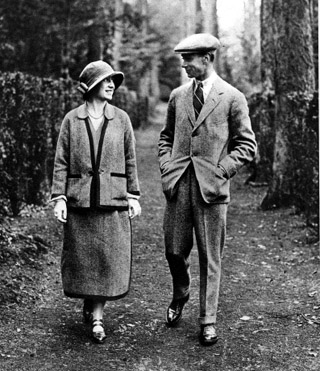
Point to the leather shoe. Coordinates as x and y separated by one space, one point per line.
208 335
174 311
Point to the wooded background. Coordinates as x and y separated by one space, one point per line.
270 53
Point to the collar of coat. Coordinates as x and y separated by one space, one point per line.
214 97
82 111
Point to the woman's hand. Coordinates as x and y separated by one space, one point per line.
134 208
60 210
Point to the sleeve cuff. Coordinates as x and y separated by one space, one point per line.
57 198
130 195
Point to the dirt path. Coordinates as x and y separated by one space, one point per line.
269 317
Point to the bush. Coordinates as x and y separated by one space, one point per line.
28 105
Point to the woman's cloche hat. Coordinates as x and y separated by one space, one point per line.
95 72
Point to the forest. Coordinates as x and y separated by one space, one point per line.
270 53
271 57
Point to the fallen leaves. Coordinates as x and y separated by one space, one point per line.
313 320
245 318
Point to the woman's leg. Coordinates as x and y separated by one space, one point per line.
98 332
97 308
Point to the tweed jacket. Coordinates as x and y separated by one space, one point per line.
95 181
218 143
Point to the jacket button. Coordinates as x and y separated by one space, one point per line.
90 172
100 171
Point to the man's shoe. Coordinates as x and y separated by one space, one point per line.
174 311
208 335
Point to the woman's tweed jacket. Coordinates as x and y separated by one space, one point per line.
103 181
221 135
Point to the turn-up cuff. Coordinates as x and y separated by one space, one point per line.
57 198
130 195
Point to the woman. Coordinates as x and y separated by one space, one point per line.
95 189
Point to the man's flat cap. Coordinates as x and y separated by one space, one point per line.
198 43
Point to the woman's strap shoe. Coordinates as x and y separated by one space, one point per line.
98 333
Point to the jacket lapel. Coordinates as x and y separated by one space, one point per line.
109 114
188 99
109 111
211 102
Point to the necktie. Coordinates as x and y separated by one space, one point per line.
198 99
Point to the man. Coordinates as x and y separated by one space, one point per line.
207 137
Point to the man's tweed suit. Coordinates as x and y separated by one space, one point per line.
197 159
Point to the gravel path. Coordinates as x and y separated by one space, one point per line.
269 317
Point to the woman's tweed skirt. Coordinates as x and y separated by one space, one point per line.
96 256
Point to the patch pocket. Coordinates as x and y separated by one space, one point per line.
118 185
73 188
119 175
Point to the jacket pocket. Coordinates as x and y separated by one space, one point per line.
118 185
220 187
73 188
119 175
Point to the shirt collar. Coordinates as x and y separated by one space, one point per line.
208 82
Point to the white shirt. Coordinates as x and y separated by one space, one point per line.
96 122
207 84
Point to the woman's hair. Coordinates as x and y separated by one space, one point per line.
87 96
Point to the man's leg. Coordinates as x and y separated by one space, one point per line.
178 232
210 234
210 230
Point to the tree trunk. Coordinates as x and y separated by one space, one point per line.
95 50
117 36
262 105
95 31
66 45
294 86
143 90
144 82
210 23
315 33
154 79
188 26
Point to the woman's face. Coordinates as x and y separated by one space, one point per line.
105 89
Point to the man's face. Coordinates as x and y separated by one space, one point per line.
194 65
